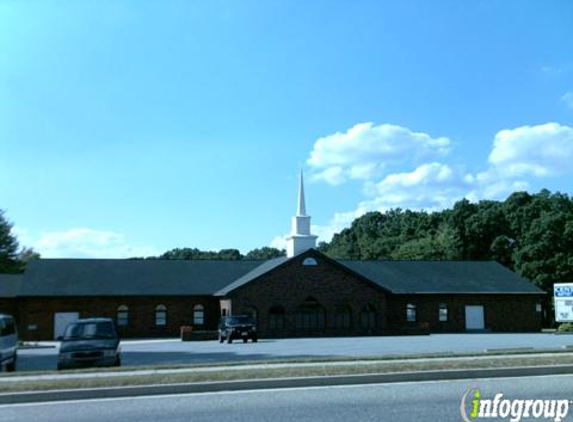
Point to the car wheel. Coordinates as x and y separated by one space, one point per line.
245 340
117 361
255 339
229 340
11 367
60 367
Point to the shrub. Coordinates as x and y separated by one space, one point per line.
566 327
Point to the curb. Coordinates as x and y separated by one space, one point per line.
28 347
258 384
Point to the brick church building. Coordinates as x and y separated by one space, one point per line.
303 294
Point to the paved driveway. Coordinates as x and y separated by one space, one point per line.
151 352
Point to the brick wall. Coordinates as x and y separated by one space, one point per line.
39 312
8 305
502 313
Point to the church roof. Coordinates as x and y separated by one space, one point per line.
127 277
264 268
443 277
123 277
10 284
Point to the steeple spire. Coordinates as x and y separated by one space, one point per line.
300 238
301 209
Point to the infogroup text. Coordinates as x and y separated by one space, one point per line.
474 407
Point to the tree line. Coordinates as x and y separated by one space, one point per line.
263 253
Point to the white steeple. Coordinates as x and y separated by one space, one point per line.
300 238
301 209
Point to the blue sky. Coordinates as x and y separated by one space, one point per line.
128 128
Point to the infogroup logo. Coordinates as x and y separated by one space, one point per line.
474 407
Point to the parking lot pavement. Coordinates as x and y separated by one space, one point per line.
170 351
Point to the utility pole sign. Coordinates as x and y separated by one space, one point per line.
563 299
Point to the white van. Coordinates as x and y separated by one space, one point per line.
8 343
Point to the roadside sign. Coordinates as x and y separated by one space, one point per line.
563 299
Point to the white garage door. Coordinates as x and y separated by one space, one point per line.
474 318
61 321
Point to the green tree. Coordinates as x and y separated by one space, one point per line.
265 253
194 253
26 255
502 249
546 256
229 254
443 245
482 228
8 247
457 218
343 246
182 253
519 210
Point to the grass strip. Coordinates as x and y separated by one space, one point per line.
262 373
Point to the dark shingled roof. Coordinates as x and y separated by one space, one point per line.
124 277
442 277
265 267
10 284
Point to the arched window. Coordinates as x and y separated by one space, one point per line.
411 312
343 317
276 318
122 316
310 316
160 316
368 317
198 315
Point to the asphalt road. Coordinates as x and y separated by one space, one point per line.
427 401
154 352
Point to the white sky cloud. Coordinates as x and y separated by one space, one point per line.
542 150
333 175
364 150
491 185
518 156
279 242
429 186
88 243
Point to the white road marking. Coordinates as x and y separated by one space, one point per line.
267 390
